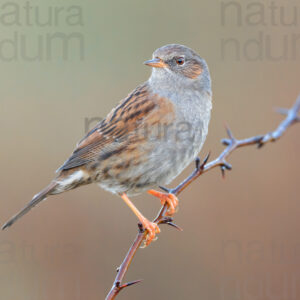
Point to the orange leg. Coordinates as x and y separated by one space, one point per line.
151 227
170 199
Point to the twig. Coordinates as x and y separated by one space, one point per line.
231 144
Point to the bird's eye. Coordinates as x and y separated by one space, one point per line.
180 61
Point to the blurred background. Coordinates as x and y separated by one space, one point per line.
65 64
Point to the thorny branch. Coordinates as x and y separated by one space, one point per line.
231 144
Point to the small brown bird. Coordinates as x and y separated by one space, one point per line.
148 139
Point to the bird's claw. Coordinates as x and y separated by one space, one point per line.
152 229
171 200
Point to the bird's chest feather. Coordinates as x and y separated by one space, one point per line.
192 111
184 138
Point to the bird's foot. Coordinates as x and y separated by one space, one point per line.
152 229
168 198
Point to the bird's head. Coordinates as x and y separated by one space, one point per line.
179 64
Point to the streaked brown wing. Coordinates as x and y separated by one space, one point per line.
119 129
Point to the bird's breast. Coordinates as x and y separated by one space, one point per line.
185 136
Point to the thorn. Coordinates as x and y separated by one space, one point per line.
169 191
260 141
130 283
166 220
197 162
223 168
229 132
174 225
164 189
227 166
141 227
201 166
169 221
118 269
226 142
260 145
206 159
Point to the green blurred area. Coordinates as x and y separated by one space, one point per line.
240 238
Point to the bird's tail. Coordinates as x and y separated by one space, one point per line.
36 199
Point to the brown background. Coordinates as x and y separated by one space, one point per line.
241 235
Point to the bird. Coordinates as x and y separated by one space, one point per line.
147 140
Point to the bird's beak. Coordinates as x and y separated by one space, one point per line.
155 62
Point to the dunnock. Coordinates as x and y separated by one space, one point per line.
148 139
